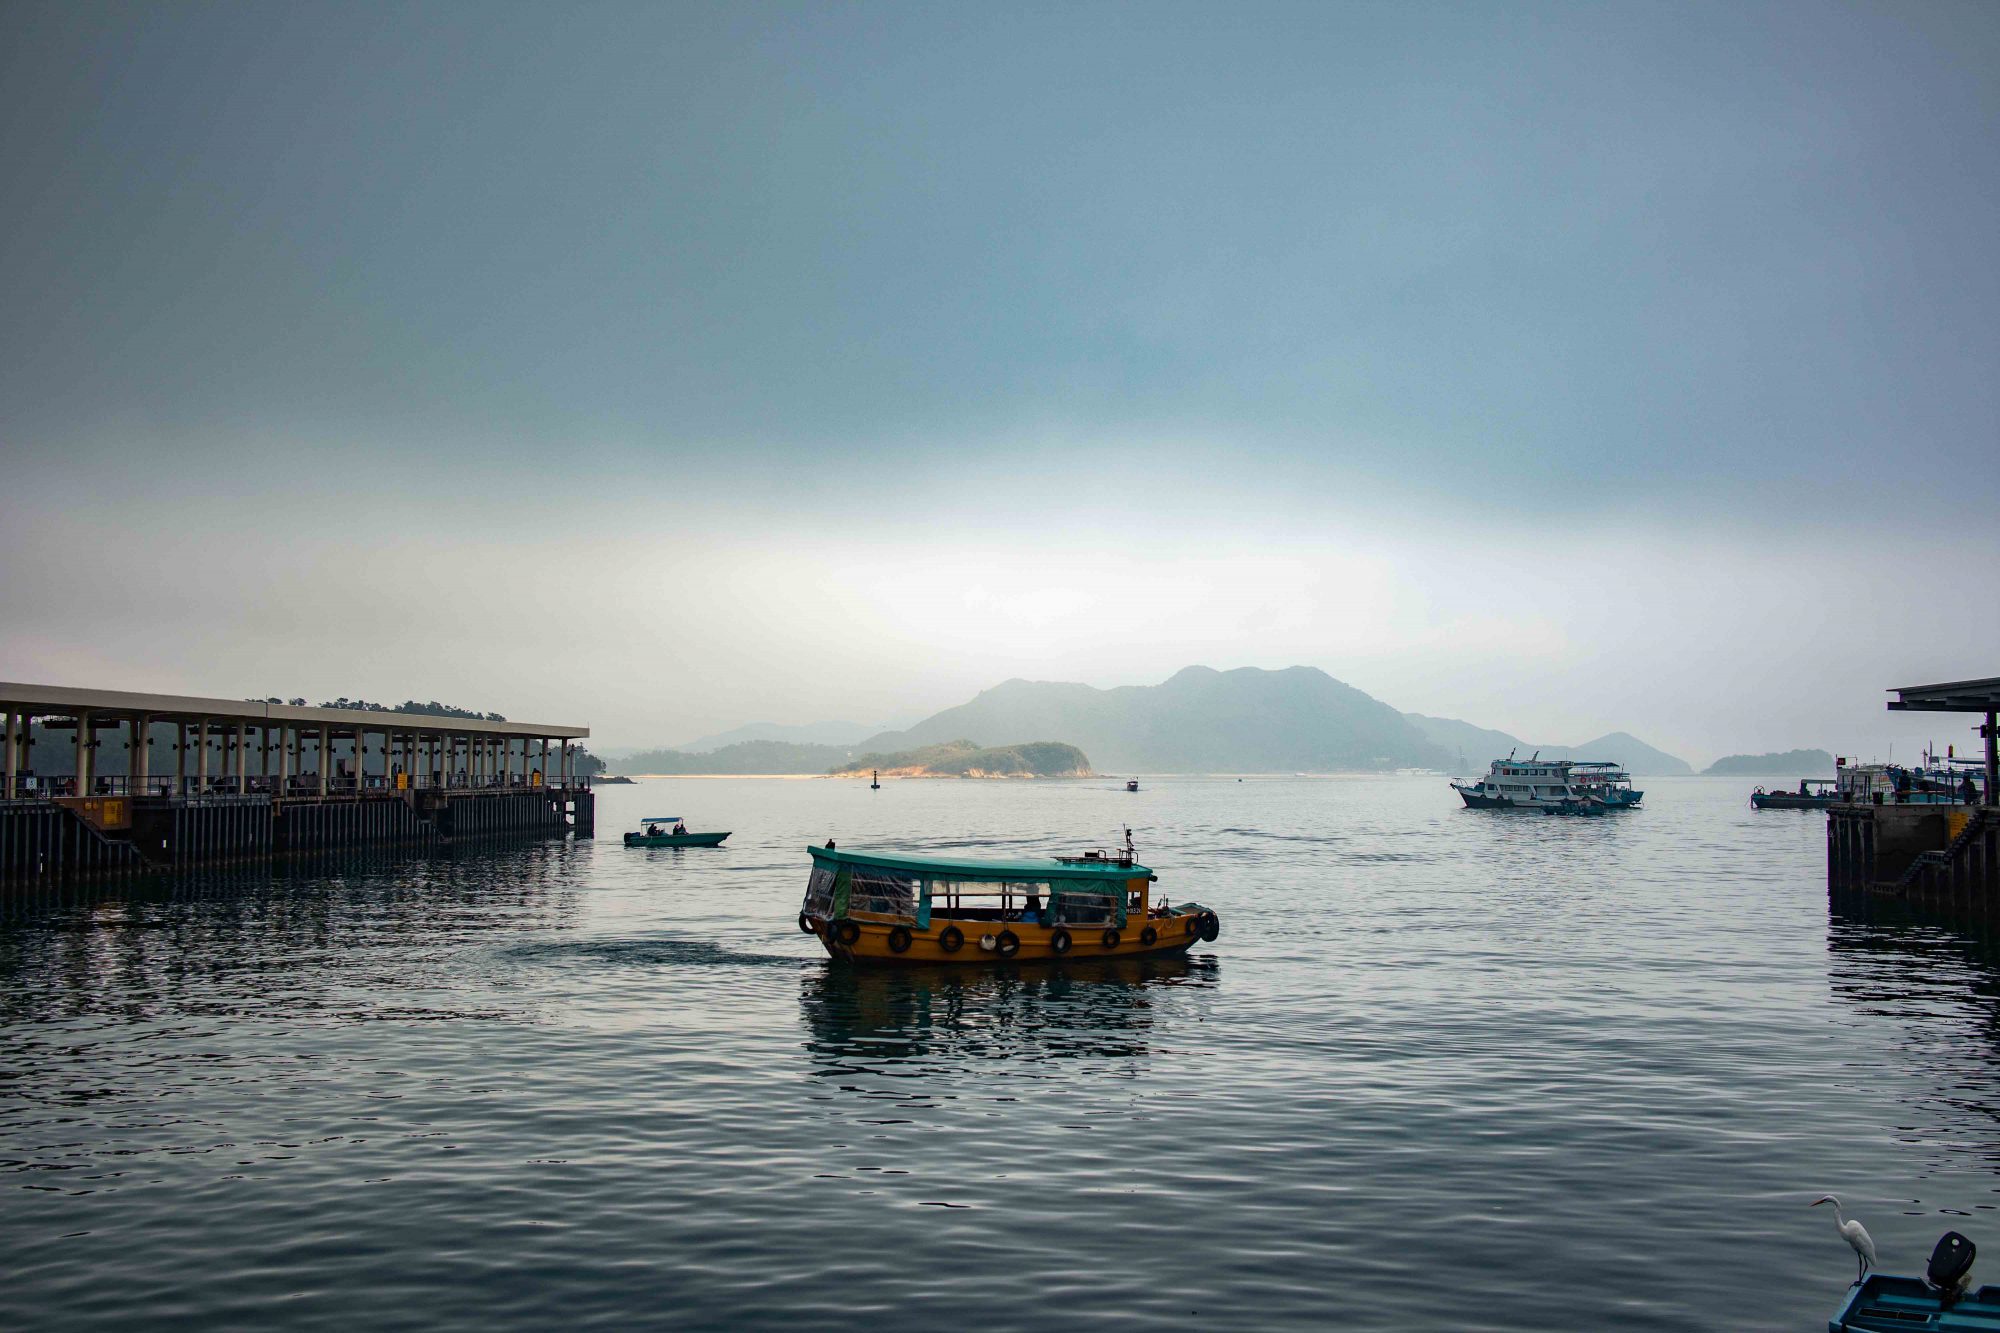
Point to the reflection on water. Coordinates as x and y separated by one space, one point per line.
1937 981
1441 1072
878 1018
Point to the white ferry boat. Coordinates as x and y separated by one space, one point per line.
1536 783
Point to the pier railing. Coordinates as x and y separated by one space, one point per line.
295 786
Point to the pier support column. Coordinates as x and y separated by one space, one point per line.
242 759
13 754
545 761
325 750
180 758
83 753
201 758
142 754
284 759
1992 737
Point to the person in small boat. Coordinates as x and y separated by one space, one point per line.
680 830
1033 910
652 830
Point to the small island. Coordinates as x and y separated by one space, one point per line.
1785 763
967 759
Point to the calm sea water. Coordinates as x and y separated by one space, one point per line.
1443 1070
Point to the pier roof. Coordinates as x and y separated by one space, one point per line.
109 705
1952 696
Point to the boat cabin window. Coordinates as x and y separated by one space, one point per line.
819 892
887 892
1085 906
838 889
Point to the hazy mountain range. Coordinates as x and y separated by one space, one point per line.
809 733
1200 720
1480 746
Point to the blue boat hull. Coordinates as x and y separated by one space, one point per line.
1885 1303
675 840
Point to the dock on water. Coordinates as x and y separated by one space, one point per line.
249 778
1942 854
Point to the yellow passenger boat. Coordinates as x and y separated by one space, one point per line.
873 908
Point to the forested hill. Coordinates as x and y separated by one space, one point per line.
1783 763
1201 720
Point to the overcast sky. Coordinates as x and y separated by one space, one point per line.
1562 368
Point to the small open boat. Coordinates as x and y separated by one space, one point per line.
1131 784
884 908
1941 1301
670 831
1883 1302
1577 806
1813 794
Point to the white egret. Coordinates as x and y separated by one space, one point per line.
1853 1233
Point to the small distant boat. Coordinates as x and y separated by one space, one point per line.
1813 794
885 908
1131 784
670 831
1583 806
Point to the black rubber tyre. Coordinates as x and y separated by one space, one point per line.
899 939
806 925
951 939
1109 939
1007 944
1211 926
1149 937
1194 924
1059 943
846 931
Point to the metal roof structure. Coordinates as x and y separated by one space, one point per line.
1952 696
108 705
936 867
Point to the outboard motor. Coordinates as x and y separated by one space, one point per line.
1950 1268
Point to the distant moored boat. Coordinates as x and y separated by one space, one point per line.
1536 783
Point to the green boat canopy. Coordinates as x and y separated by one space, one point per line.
936 867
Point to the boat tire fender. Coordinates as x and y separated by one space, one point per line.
846 931
1194 924
1109 939
1149 937
805 924
899 940
951 939
1059 942
1007 944
1211 926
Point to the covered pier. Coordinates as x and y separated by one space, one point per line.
152 780
1941 854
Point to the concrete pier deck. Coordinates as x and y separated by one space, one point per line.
1944 855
